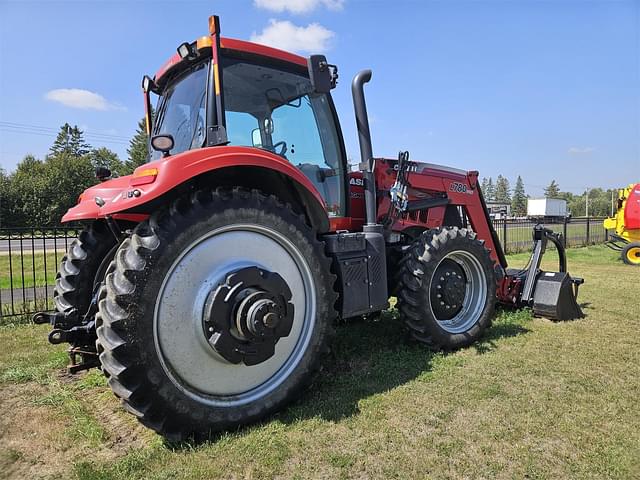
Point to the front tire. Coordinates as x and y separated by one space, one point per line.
447 291
153 323
80 268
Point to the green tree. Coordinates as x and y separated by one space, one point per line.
27 194
488 189
65 177
502 191
103 157
70 141
5 197
519 200
138 150
600 202
552 190
39 193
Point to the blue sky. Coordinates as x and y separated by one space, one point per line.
547 90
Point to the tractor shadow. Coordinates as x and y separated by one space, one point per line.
372 356
369 356
488 342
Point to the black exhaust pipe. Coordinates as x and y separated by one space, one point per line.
364 137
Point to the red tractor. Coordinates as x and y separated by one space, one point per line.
206 285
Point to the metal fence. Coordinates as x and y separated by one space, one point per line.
515 234
29 258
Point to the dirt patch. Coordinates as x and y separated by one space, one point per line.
34 439
29 435
124 432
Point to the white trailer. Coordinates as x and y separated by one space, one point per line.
548 208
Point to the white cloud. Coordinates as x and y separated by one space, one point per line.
580 150
83 99
298 6
313 38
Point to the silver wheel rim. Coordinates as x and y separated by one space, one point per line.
475 298
186 356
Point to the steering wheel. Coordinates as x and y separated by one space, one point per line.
283 144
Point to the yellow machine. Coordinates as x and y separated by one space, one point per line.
625 237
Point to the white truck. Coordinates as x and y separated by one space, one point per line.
547 208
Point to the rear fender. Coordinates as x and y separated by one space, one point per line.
214 166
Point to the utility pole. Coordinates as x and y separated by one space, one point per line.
587 205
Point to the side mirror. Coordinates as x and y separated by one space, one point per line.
162 143
323 75
148 85
103 173
256 139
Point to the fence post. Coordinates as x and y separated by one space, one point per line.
504 233
588 222
564 232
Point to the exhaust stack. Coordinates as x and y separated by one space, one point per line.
364 137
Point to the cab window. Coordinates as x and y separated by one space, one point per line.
277 110
181 111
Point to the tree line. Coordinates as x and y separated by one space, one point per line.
600 201
39 191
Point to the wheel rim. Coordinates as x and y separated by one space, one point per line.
473 298
186 356
633 255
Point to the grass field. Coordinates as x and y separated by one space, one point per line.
29 270
533 399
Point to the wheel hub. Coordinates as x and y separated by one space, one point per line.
245 317
448 290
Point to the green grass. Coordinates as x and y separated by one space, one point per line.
532 399
33 265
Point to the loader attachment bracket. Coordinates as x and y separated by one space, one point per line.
551 294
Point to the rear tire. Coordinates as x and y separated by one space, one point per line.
149 322
631 253
447 290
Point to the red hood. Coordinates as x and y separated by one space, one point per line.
119 195
109 191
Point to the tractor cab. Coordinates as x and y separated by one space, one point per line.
249 96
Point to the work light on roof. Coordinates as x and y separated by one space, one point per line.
186 50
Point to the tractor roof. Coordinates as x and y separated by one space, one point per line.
240 46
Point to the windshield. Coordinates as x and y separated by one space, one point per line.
276 110
181 111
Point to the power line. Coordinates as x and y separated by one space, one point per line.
24 128
38 127
54 134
